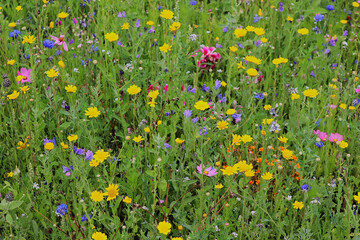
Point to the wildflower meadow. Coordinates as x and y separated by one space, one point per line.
178 119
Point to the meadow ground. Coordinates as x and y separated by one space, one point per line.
178 119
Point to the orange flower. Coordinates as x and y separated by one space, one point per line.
261 149
259 160
257 182
258 171
251 182
298 165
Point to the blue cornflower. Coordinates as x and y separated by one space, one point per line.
225 29
192 90
330 7
194 120
48 43
15 33
84 218
203 131
62 209
319 144
193 2
167 145
89 155
187 113
305 188
318 17
79 151
259 96
257 18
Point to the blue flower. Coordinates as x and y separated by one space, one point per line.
318 17
330 7
193 2
187 113
167 145
225 29
194 120
48 43
62 209
15 33
259 96
305 188
203 131
217 84
84 218
79 151
205 88
89 155
319 144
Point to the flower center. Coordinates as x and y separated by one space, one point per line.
206 172
61 39
335 140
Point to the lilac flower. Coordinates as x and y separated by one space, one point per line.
281 6
89 155
240 45
225 29
259 96
62 209
210 171
217 84
203 131
312 74
194 120
152 29
79 151
218 45
193 90
205 88
345 33
122 15
137 24
84 218
193 2
49 140
67 170
257 18
187 113
167 145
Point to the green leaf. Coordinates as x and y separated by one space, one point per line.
15 204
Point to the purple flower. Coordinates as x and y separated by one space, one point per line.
225 29
203 131
79 151
205 88
84 218
194 120
218 45
67 170
137 24
89 155
49 140
345 33
62 209
75 21
167 145
192 90
122 15
217 84
193 2
312 74
187 113
152 29
305 188
210 171
318 17
240 45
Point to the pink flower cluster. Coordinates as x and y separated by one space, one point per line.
210 171
334 137
209 57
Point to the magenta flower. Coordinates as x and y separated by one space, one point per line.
323 136
209 56
60 41
357 90
316 132
210 171
335 137
26 75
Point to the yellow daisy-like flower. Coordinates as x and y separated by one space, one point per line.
29 39
230 111
253 60
63 15
154 94
164 227
147 129
219 186
11 62
72 137
177 238
240 32
303 31
70 88
233 48
267 176
228 171
132 90
311 93
96 196
10 174
152 103
19 8
246 138
49 146
13 96
112 192
242 166
355 4
51 25
61 64
167 14
165 48
240 65
52 73
150 23
267 107
264 40
252 72
101 155
357 198
92 112
94 163
298 205
99 236
12 24
250 28
24 89
138 139
249 173
342 106
127 200
222 125
236 139
111 37
64 146
295 96
179 141
282 139
201 105
125 26
287 154
259 31
343 144
175 26
289 19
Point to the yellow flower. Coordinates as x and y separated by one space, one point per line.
343 106
344 144
52 73
45 1
267 121
242 166
249 173
159 122
282 139
236 139
230 111
287 154
152 103
13 96
250 28
99 236
357 198
252 72
233 48
112 192
92 112
29 39
263 132
64 146
219 186
223 83
311 93
132 90
343 21
22 145
179 141
295 96
259 31
240 65
52 25
253 60
96 196
125 26
72 137
63 15
94 163
24 89
290 19
303 31
222 125
298 205
164 227
177 238
175 26
154 94
111 37
12 24
147 129
240 32
264 40
167 14
229 170
101 155
61 64
11 62
10 174
138 139
267 107
355 4
19 8
267 176
150 23
49 146
351 108
260 13
165 48
127 200
70 88
201 105
246 138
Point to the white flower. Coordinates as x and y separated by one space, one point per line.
289 198
36 186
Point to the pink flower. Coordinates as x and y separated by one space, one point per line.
60 41
357 90
335 137
316 132
323 136
332 106
26 74
210 171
